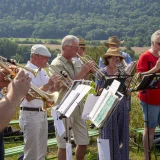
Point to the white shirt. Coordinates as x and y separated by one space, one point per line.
78 61
41 79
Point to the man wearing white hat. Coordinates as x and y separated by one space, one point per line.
33 120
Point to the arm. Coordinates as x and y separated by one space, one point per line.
17 89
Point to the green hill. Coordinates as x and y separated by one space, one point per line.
134 20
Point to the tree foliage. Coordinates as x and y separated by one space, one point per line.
90 19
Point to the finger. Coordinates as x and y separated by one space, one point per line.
20 74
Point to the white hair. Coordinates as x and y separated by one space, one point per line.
67 40
155 36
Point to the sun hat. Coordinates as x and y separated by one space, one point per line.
113 40
113 52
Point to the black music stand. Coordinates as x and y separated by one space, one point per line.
149 81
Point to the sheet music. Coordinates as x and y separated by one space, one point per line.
104 109
83 89
114 86
97 120
103 149
68 101
58 122
98 103
68 151
89 104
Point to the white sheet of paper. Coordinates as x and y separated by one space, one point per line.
98 103
83 92
100 107
114 86
58 122
103 149
68 101
68 151
89 104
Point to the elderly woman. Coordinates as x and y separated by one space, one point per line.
116 128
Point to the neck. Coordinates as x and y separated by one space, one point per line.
154 52
34 62
111 70
66 56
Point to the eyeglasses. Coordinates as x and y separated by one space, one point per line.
73 46
158 43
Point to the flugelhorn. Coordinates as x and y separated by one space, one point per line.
48 99
65 79
98 74
13 62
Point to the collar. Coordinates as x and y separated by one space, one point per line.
31 65
64 60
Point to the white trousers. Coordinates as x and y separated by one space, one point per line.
35 131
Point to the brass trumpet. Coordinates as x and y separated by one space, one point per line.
13 62
98 75
48 99
65 79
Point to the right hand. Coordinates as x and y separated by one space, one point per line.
157 66
20 84
89 66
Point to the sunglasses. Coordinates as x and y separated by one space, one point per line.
158 43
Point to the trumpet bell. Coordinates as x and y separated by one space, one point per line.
52 99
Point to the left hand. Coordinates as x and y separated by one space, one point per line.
55 80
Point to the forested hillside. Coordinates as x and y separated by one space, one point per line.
134 20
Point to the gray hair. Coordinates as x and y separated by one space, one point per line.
155 36
67 40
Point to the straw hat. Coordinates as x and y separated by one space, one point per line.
113 52
82 43
113 40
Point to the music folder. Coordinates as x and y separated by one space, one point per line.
73 99
149 81
105 104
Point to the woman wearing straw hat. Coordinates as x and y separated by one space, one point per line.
117 127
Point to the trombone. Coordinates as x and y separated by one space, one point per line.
13 62
98 75
48 99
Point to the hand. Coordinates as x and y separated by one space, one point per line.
20 84
157 66
89 66
13 68
54 82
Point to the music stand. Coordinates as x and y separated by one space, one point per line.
149 81
74 85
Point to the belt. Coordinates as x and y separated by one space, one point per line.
31 109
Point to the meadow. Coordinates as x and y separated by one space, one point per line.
136 121
136 116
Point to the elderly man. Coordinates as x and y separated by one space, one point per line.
70 46
33 120
115 42
149 62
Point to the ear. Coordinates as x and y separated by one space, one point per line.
63 48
